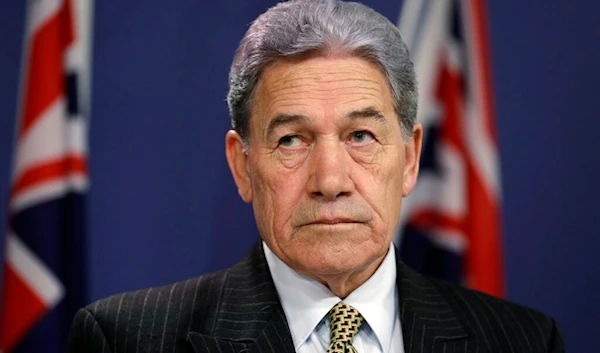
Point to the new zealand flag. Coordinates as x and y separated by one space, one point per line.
44 261
450 224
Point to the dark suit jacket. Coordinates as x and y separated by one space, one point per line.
238 310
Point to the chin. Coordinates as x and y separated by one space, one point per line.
332 269
339 259
329 250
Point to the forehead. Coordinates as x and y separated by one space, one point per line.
313 87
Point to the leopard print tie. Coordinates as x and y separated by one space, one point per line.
344 322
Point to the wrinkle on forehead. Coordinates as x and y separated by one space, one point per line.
337 82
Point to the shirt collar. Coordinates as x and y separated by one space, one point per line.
376 300
306 301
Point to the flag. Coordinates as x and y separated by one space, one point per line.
450 225
43 263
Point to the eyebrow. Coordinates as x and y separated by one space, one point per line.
286 119
366 113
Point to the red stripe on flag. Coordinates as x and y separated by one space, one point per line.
426 219
44 83
50 170
67 21
21 309
484 265
449 93
484 261
45 74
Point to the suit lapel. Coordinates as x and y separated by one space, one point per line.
249 317
428 322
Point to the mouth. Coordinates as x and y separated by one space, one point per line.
333 221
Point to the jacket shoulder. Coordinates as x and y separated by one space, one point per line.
158 316
500 322
173 298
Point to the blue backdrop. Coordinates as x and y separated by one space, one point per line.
164 207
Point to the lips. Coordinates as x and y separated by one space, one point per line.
339 213
333 221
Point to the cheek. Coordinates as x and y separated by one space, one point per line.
277 192
393 189
380 183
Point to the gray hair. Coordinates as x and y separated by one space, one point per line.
321 27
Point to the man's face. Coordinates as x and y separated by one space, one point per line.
326 167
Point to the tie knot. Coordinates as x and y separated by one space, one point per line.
344 321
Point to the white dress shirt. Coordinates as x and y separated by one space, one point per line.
306 303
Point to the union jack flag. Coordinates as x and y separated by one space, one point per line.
450 224
43 267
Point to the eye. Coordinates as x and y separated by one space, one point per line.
289 141
361 137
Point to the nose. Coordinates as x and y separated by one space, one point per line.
330 171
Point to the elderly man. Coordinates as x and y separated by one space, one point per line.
325 146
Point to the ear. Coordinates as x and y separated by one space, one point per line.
412 155
238 164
